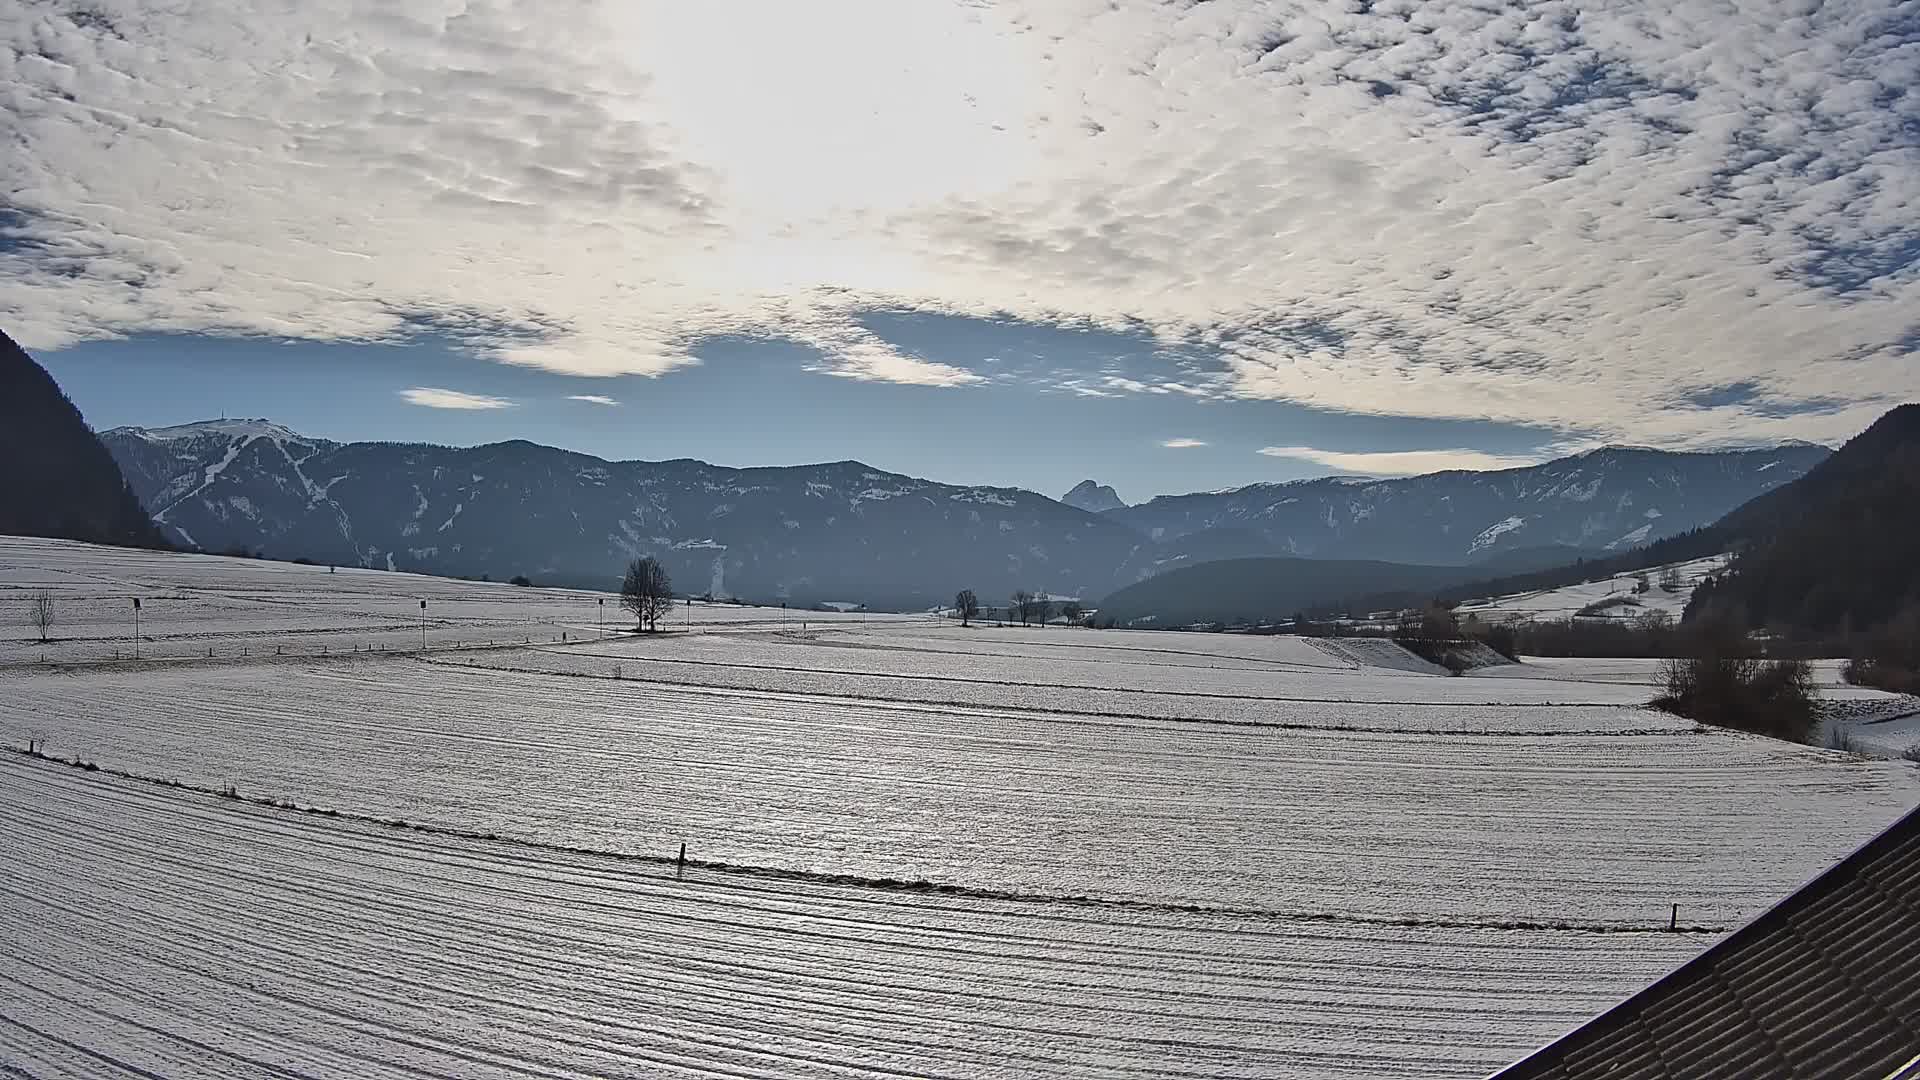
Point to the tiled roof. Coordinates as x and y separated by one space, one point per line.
1826 984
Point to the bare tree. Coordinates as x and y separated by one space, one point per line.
647 591
1670 579
1072 611
40 613
967 606
1021 606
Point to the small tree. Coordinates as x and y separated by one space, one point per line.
1072 611
40 613
1670 579
1021 606
647 591
967 606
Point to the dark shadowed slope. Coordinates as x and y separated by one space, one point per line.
58 479
1250 590
1834 551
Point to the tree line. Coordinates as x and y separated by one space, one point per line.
1026 607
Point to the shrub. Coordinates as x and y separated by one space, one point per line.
521 580
1911 753
1868 671
1839 738
1727 689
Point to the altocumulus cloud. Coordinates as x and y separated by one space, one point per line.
434 397
1399 462
1595 218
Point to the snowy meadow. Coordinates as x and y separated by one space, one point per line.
310 846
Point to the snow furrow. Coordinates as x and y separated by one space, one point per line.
274 943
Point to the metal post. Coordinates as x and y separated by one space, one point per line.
423 626
601 625
136 628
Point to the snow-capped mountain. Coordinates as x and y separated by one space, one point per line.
846 531
813 532
1093 498
1610 499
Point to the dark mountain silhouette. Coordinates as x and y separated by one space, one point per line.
1833 553
58 479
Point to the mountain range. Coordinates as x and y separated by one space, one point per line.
1610 499
845 531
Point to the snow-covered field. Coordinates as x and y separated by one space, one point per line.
153 932
1147 854
1565 602
190 604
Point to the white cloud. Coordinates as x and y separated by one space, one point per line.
1567 215
434 397
853 352
1400 462
1182 443
593 399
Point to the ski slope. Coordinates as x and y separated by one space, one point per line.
918 849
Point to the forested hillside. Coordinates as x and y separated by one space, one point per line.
59 481
1832 555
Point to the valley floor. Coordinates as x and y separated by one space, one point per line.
915 849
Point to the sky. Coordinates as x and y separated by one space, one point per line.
1169 246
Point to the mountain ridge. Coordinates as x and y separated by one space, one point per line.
1862 501
847 530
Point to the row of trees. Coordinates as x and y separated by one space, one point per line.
1023 605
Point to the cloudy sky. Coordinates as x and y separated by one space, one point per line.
1167 245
